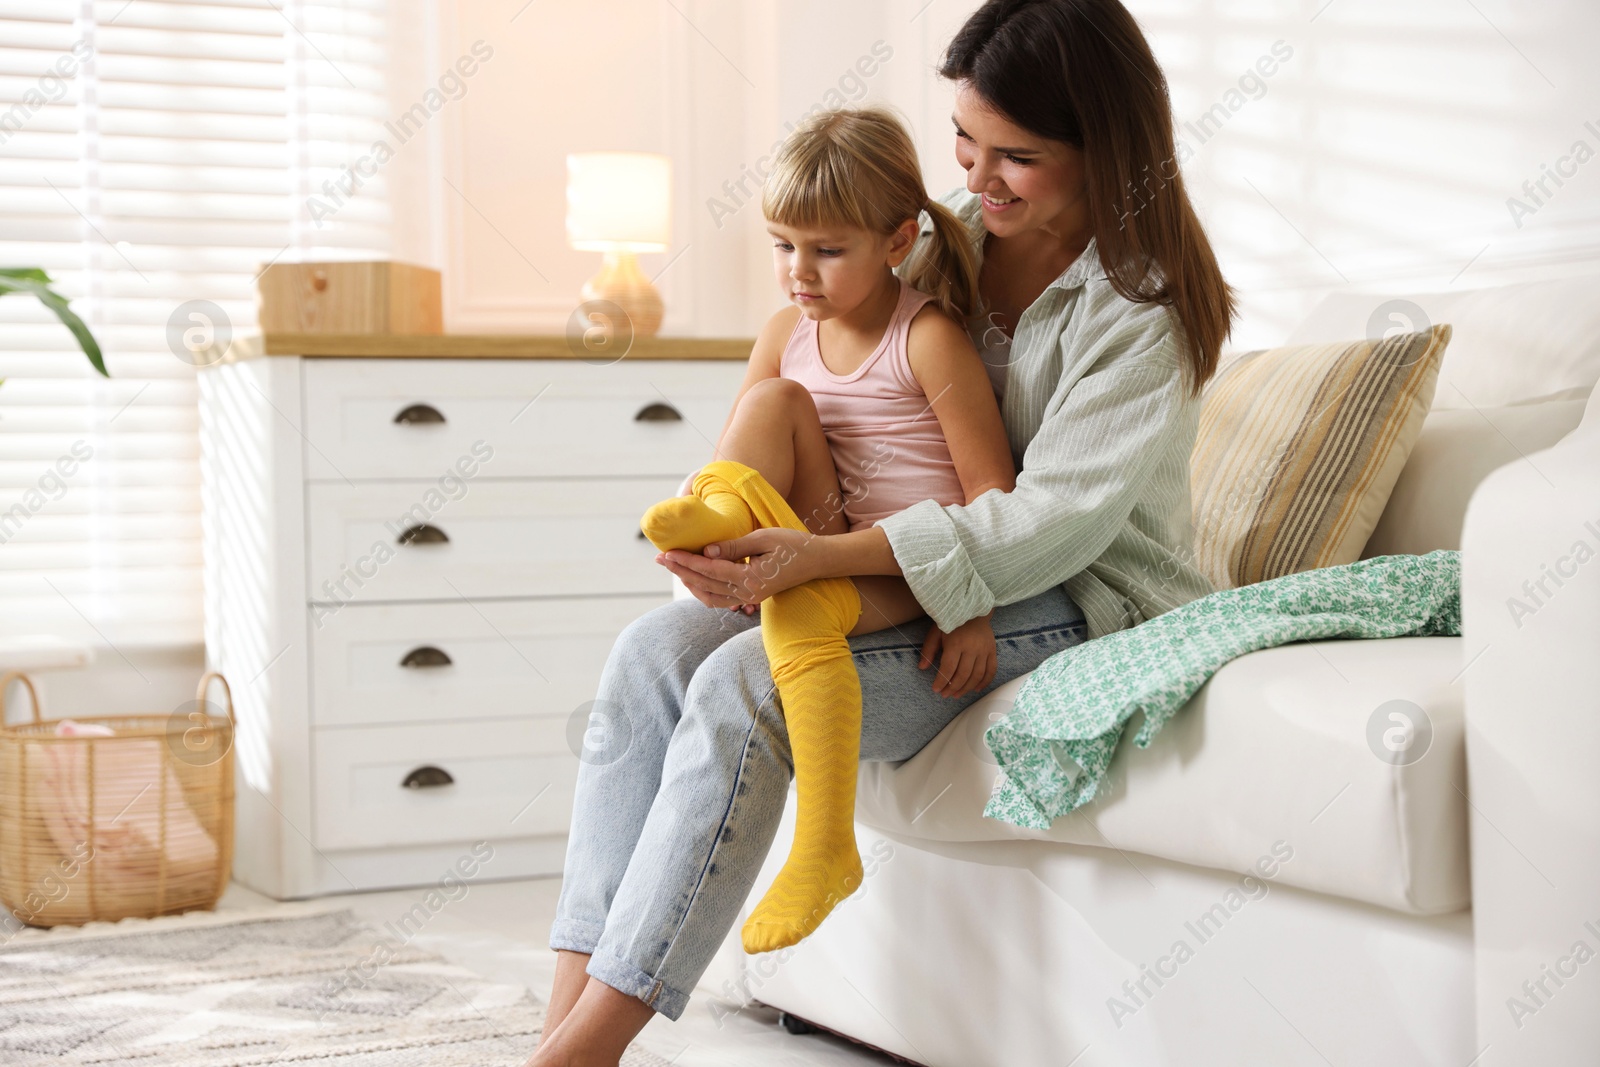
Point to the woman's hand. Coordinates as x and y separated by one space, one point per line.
966 656
778 560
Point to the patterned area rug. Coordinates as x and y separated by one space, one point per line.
309 990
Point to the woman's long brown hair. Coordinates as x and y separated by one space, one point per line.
1080 71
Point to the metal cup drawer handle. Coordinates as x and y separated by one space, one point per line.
426 656
658 412
423 534
419 413
428 777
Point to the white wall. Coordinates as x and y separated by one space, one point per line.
488 192
1382 153
1379 155
713 83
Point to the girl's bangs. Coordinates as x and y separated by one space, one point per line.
810 194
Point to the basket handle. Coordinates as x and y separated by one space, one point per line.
200 693
5 684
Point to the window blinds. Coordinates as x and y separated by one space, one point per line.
153 152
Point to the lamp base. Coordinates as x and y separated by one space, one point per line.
621 282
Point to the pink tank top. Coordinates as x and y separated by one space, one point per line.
886 442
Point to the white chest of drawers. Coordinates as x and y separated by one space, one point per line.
414 569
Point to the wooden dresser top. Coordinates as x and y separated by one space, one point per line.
480 346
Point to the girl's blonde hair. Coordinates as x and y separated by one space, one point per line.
857 167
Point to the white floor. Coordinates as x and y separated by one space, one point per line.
500 930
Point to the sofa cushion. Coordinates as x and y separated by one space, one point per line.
1455 451
1296 743
1513 344
1298 449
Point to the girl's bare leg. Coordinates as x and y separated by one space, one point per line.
776 431
886 602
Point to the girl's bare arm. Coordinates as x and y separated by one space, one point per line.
953 379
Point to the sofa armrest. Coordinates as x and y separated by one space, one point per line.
1531 627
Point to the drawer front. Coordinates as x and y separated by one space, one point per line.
497 659
407 541
497 770
538 418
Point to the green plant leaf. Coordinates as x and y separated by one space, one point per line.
34 274
35 281
80 330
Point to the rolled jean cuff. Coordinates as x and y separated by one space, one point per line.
626 978
575 935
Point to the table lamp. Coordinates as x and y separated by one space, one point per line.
620 203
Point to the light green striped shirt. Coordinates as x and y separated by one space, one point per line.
1100 420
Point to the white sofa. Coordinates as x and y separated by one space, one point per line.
1259 887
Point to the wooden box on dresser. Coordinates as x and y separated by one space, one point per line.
414 569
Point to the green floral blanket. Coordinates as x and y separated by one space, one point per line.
1057 741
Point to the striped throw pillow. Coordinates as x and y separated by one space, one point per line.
1298 449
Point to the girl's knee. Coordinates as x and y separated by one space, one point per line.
778 397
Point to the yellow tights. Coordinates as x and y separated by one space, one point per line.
804 632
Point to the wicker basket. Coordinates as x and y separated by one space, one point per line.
96 828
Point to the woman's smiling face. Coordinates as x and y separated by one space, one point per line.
1028 182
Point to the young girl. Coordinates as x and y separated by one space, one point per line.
863 397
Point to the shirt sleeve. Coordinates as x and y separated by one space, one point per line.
1102 437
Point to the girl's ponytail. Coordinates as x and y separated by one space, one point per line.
946 267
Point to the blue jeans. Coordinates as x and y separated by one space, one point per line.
686 770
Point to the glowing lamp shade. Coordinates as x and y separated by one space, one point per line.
619 203
619 200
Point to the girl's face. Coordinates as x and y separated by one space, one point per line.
832 271
1028 182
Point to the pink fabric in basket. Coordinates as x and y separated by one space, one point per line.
127 808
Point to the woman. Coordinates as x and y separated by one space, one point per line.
1106 314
